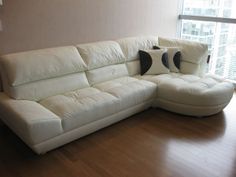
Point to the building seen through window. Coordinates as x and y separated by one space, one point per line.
220 37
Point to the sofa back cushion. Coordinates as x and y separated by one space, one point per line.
100 54
194 54
131 46
106 73
105 61
37 74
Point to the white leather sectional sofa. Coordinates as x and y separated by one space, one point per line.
53 96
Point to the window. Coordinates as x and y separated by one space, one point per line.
213 22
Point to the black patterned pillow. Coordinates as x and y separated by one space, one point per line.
174 57
154 61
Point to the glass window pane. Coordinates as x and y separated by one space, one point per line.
221 40
220 37
211 8
199 31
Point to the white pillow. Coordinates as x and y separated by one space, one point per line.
154 61
174 57
193 52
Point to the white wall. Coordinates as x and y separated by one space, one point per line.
33 24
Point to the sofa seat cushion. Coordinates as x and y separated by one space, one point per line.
81 107
129 90
191 90
202 91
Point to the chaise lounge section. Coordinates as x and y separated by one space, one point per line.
53 96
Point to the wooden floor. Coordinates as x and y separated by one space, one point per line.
153 143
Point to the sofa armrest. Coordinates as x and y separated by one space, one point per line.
29 120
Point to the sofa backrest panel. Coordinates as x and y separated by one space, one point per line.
100 54
24 67
194 54
105 61
36 91
37 74
131 46
106 73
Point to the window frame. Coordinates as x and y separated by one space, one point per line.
181 17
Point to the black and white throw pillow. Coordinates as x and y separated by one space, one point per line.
174 57
154 61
